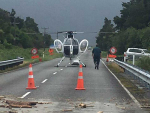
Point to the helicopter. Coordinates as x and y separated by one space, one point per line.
70 47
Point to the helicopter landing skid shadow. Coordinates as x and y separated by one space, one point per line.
70 66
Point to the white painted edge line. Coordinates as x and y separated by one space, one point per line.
25 95
133 98
61 69
44 81
54 73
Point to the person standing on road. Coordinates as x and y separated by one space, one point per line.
96 53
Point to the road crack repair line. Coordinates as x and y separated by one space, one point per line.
44 81
25 95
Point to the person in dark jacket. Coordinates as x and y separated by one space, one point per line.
96 53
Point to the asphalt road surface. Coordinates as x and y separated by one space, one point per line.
57 85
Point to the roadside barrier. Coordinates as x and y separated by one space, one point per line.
10 63
136 73
31 84
80 82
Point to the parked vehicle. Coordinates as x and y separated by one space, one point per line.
137 52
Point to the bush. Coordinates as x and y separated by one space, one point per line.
144 63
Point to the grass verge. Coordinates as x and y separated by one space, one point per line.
26 53
139 94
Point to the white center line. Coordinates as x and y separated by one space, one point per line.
54 73
44 81
61 69
25 95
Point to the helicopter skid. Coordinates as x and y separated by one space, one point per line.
61 61
80 62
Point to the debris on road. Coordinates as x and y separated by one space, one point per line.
20 103
67 110
145 106
16 104
123 108
100 112
12 112
82 105
44 102
1 97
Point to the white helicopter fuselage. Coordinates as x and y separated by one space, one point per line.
71 48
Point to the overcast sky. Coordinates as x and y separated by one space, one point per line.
62 15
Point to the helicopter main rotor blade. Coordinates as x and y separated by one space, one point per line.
106 32
77 32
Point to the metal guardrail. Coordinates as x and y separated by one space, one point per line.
140 74
10 63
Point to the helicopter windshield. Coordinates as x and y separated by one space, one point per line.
67 42
74 42
70 36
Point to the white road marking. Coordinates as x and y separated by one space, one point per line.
54 73
25 95
44 81
133 98
61 69
69 63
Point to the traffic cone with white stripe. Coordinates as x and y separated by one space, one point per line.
80 82
31 84
107 60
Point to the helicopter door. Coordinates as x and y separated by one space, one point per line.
75 44
83 45
68 47
58 45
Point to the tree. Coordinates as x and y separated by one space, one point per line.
134 14
104 40
31 25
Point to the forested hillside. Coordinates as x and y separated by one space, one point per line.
15 31
132 27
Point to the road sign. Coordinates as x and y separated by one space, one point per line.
34 51
34 57
113 50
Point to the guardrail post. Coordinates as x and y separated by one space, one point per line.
149 86
133 59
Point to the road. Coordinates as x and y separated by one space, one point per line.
57 85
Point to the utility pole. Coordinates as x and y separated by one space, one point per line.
44 38
14 23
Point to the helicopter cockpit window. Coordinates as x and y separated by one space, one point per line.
74 42
67 42
70 36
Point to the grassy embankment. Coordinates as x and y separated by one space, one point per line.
8 54
138 93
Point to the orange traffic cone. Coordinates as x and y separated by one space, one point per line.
31 84
107 60
80 82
